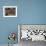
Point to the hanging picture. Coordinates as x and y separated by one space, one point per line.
9 11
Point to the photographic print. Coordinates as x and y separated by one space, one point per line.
9 11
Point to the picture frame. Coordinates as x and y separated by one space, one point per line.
9 11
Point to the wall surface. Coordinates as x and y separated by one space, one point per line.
29 12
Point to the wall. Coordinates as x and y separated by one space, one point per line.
29 12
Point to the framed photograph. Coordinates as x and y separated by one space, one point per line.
9 11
